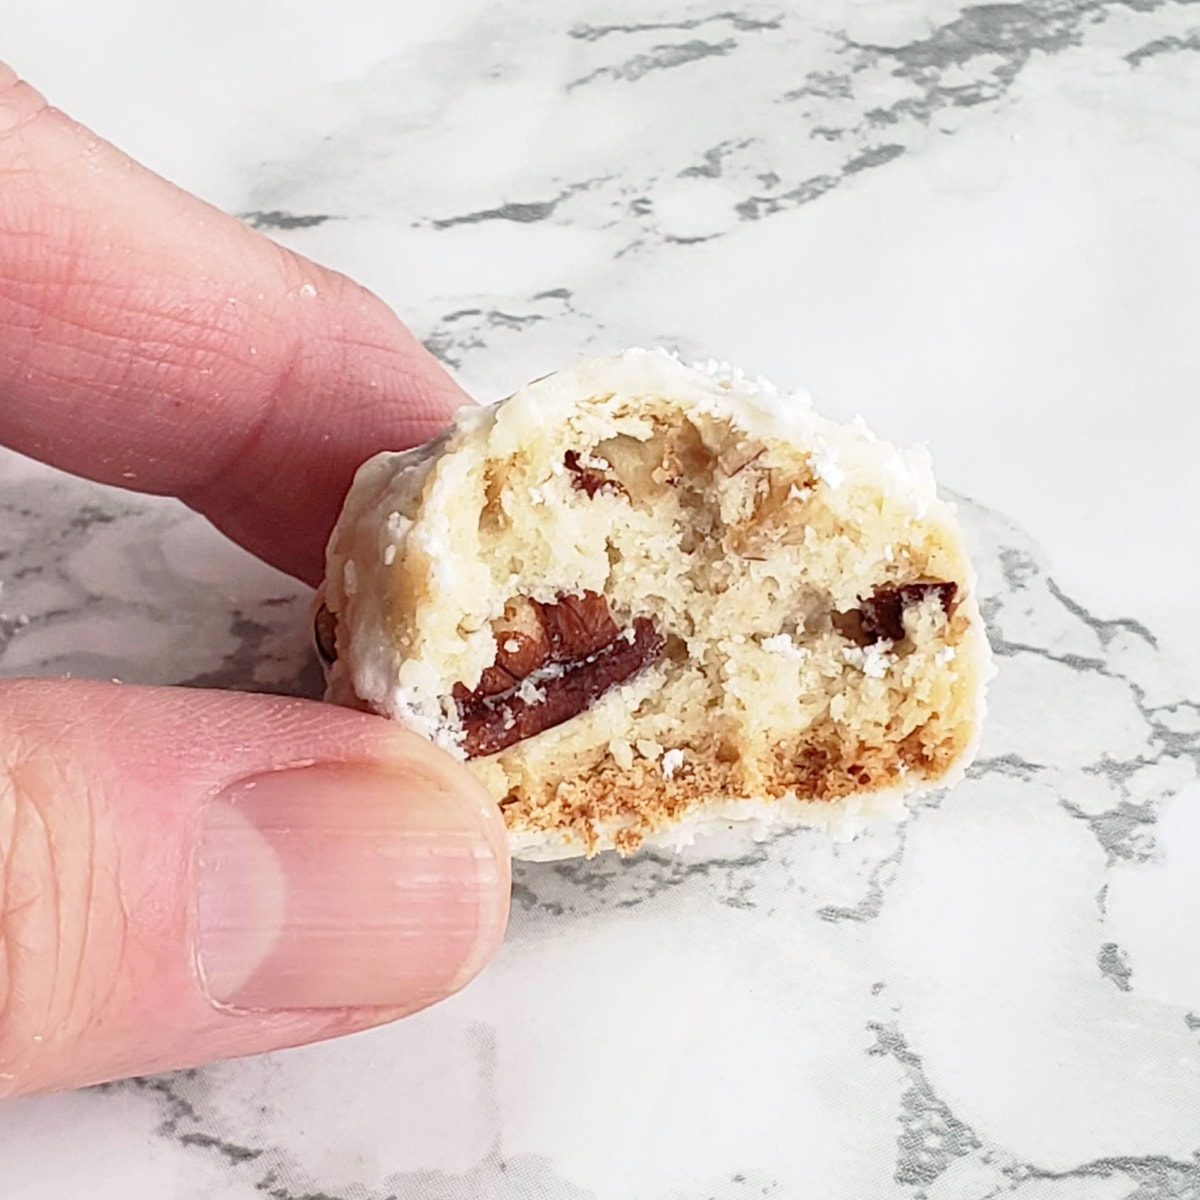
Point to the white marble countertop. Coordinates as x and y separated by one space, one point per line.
977 226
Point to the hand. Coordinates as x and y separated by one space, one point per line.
189 875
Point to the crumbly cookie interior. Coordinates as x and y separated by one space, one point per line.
648 610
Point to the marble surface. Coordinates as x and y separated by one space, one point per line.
978 226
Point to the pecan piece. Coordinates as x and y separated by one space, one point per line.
552 662
881 615
517 655
325 635
733 460
576 626
587 478
493 723
563 632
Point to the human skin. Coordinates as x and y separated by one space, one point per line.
188 875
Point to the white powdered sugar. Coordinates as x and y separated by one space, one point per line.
824 462
732 378
781 644
530 693
872 661
412 709
672 760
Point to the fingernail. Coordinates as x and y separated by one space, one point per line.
346 887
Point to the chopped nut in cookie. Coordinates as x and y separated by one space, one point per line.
880 617
581 655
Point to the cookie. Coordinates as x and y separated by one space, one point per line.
644 600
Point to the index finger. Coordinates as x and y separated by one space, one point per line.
150 341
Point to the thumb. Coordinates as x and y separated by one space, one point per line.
189 875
